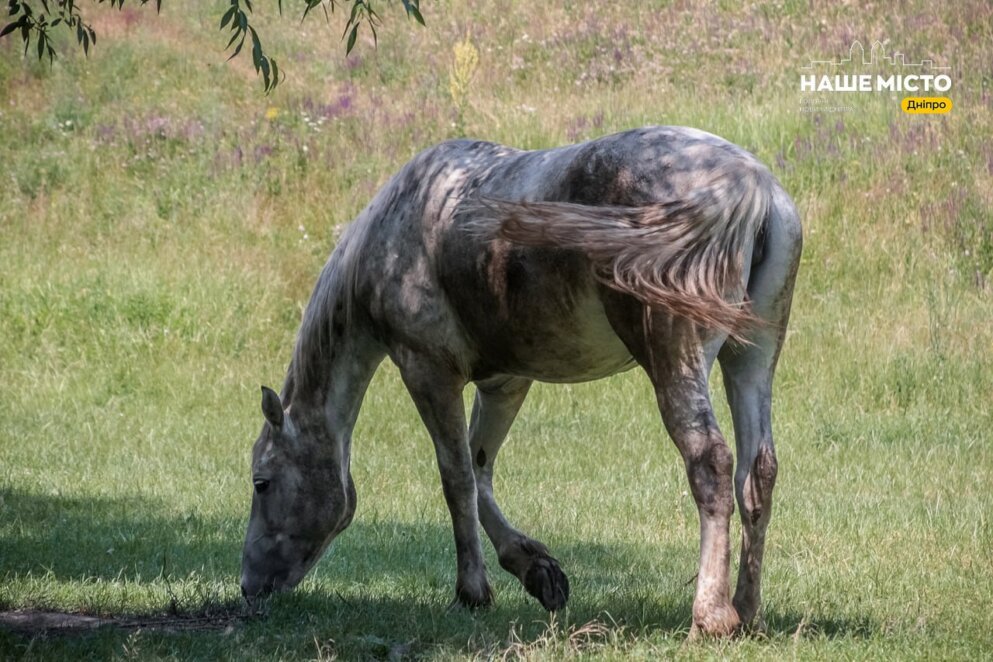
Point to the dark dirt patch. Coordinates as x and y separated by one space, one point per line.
33 622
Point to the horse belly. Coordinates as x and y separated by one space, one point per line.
577 347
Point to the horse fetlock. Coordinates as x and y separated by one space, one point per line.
538 571
515 554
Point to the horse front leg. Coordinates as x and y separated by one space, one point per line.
493 411
437 393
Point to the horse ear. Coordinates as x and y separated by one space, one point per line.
272 408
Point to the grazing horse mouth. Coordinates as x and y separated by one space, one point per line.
255 586
284 581
264 590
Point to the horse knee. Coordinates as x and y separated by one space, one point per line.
710 475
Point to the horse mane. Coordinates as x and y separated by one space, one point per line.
329 312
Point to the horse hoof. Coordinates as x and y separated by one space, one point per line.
719 622
545 580
473 598
747 610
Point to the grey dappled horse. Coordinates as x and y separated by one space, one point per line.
663 247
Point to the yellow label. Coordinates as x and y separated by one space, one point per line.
926 105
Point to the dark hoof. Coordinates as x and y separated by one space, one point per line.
473 598
747 611
545 580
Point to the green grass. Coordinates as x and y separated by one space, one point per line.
162 223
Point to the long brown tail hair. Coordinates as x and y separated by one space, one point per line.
683 256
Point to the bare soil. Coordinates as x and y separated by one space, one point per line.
35 622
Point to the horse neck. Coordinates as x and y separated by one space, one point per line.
334 360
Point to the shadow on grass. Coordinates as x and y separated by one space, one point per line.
807 626
384 587
77 538
310 624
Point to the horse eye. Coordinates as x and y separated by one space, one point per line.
261 485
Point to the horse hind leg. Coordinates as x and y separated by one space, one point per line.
494 410
679 367
748 374
748 388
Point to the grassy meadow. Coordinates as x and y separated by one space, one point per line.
162 223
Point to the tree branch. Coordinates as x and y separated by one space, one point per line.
34 19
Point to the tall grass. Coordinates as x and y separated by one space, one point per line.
161 224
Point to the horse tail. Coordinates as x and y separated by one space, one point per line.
685 256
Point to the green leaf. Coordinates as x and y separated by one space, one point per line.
237 49
416 13
228 15
234 38
257 57
310 5
266 80
351 39
356 11
10 27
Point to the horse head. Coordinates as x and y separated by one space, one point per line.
303 497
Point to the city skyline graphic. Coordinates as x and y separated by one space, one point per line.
876 55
